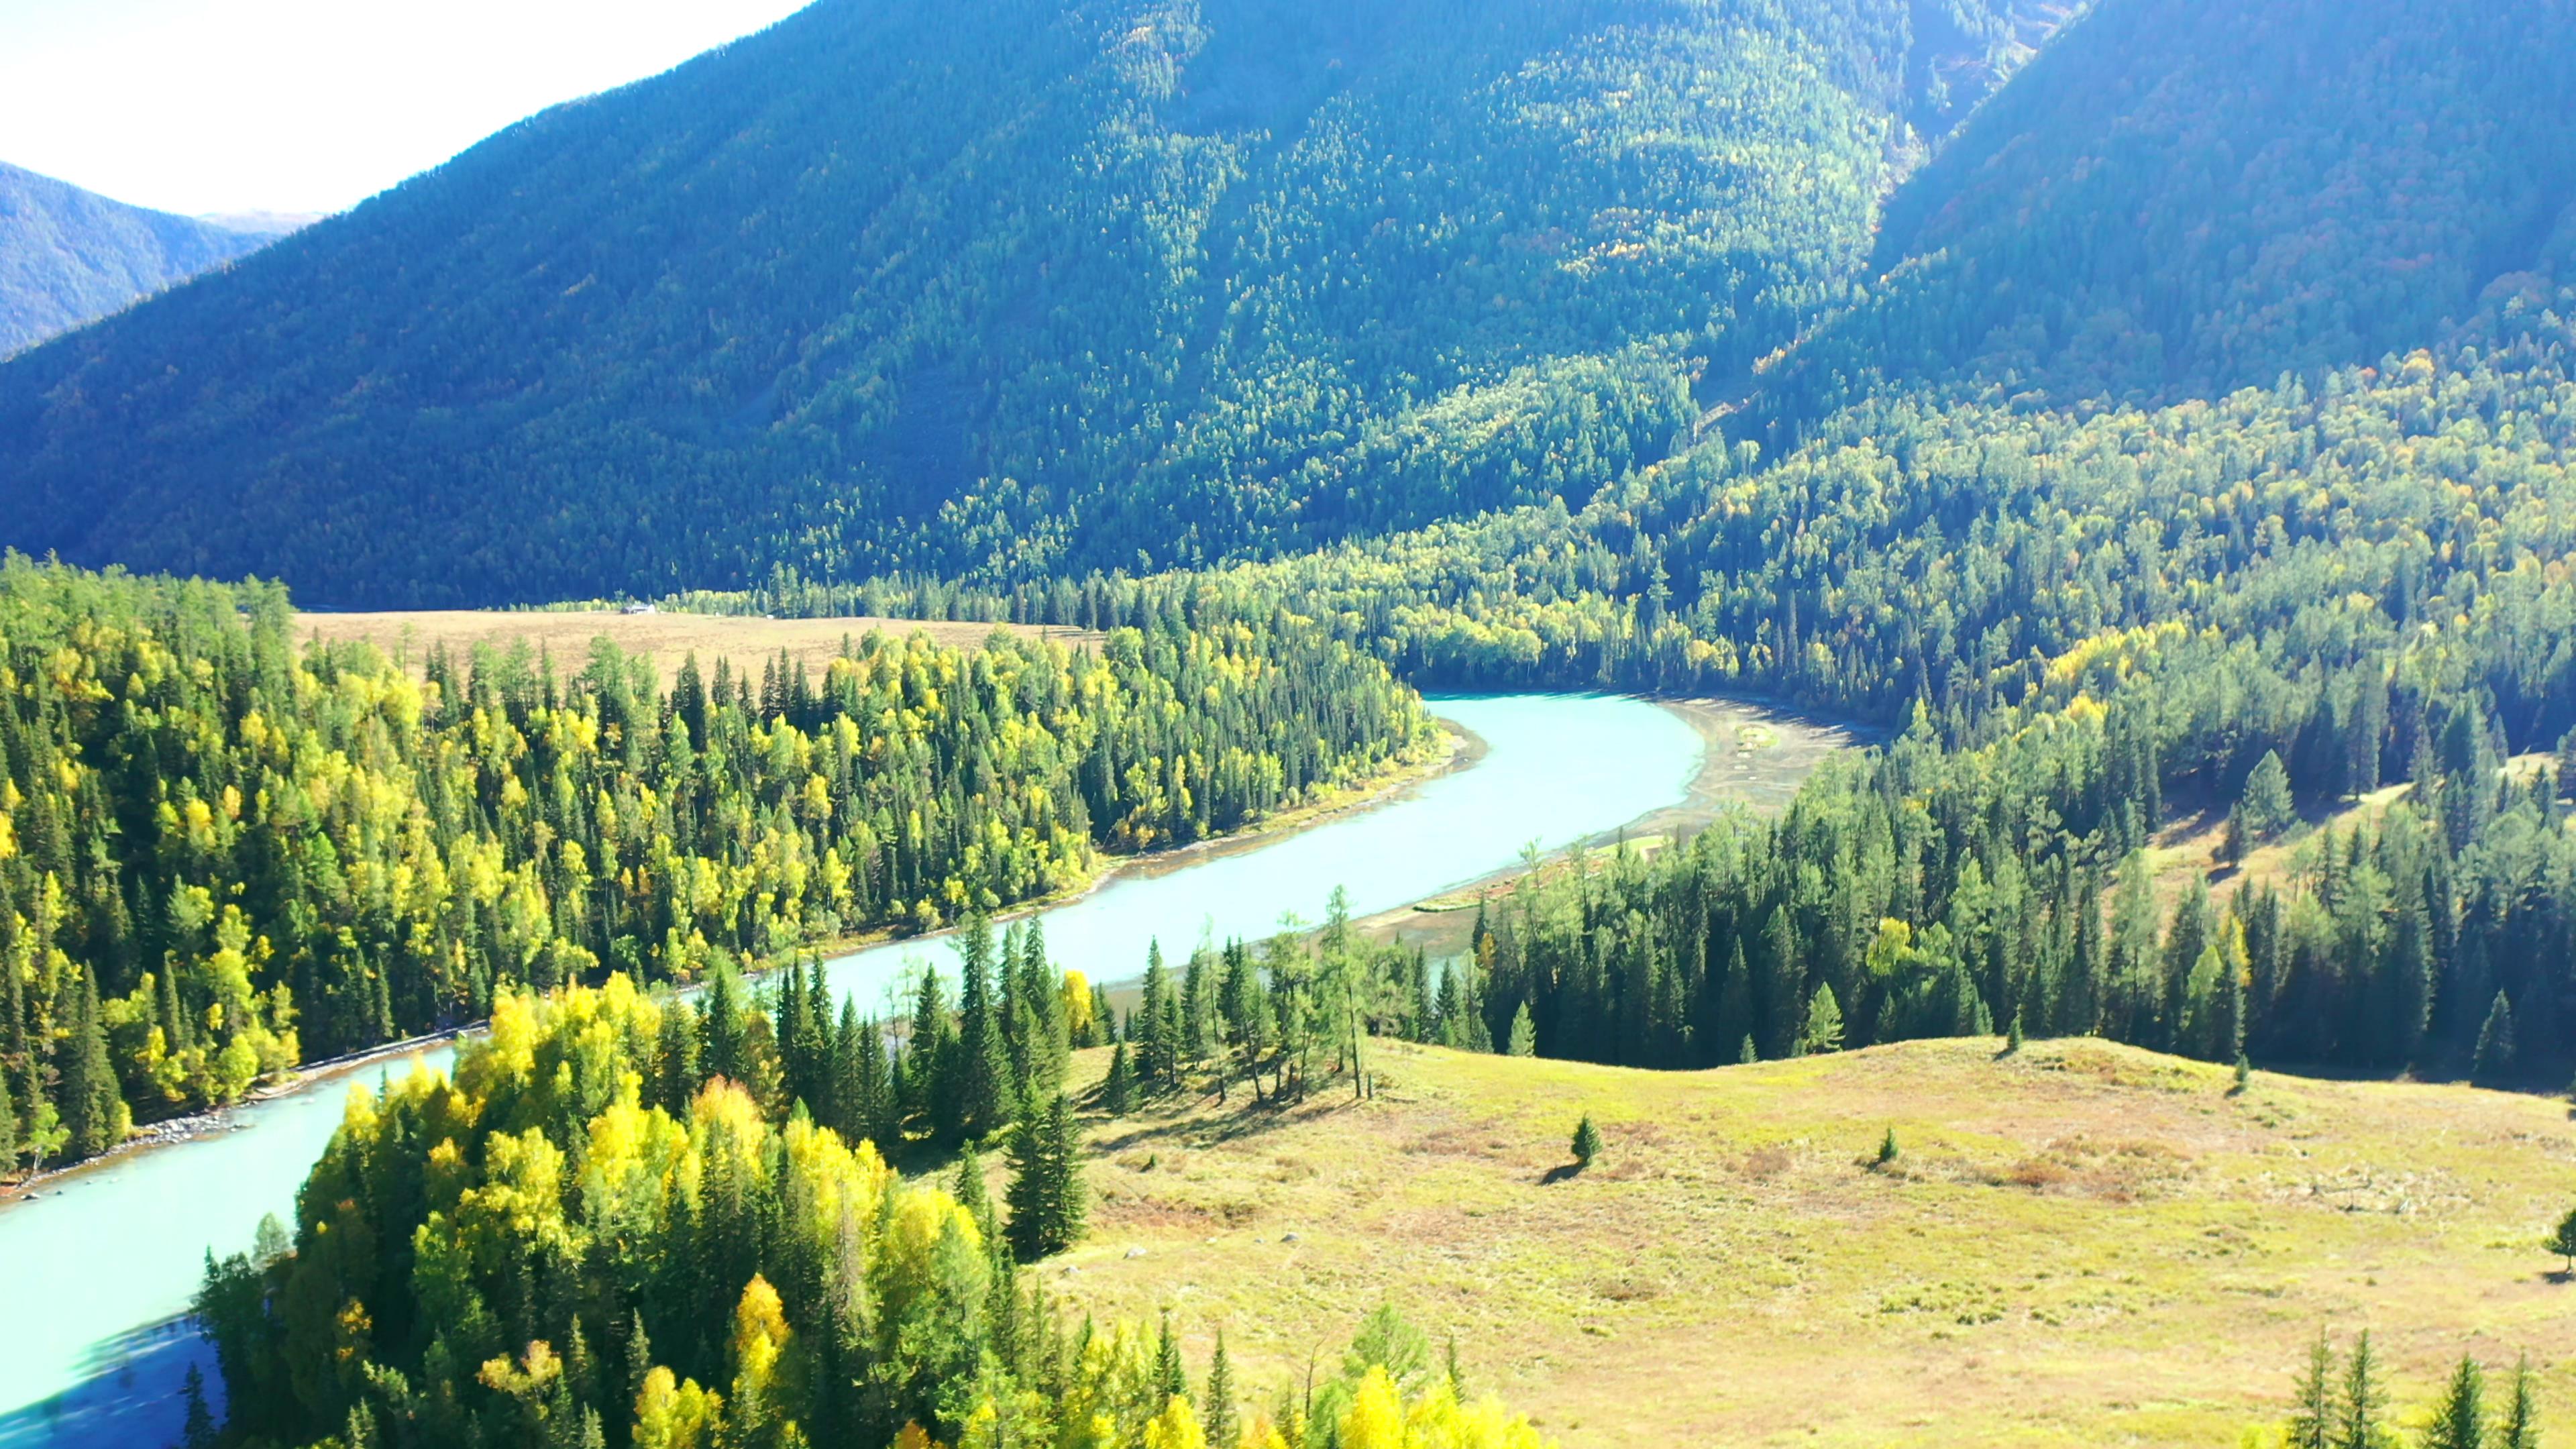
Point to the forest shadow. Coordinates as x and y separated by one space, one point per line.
131 1396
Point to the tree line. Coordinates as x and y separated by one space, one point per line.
539 1253
222 853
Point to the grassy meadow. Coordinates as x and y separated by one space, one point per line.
2082 1244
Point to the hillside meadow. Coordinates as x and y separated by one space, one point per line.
2083 1243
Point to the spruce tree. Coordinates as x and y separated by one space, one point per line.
1887 1149
2312 1412
983 1083
2460 1419
971 1192
872 1110
2494 1058
1048 1192
2518 1427
721 1030
1171 1377
1745 1054
1587 1141
2266 808
1118 1090
2357 1414
2563 1241
1145 1027
197 1427
1524 1041
94 1113
8 1123
1824 1029
1218 1401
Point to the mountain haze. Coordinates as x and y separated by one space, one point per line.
1026 286
68 256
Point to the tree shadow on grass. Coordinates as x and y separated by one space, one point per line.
1560 1173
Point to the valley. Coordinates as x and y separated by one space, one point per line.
1301 724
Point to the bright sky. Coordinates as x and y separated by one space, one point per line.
311 105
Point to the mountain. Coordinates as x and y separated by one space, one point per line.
2183 197
1023 286
68 256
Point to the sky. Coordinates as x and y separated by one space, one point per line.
199 106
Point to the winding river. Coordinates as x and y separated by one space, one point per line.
97 1267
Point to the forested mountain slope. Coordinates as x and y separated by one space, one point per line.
2181 197
69 256
1019 286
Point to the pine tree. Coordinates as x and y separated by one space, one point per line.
1824 1028
1171 1378
971 1194
94 1113
2460 1419
2012 1037
1048 1194
1524 1040
2518 1427
872 1111
197 1429
1154 1052
8 1122
1587 1141
1887 1149
983 1082
2494 1058
2266 808
2357 1414
2312 1414
1218 1401
1118 1090
722 1032
2563 1241
1746 1055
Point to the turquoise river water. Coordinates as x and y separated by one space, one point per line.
97 1267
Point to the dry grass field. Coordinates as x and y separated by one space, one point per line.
2084 1244
668 638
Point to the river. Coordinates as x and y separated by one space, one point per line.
96 1269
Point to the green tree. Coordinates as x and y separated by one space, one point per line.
94 1112
1824 1029
1218 1401
8 1123
2493 1060
1118 1089
1887 1149
2562 1241
2460 1418
2518 1426
1587 1141
2313 1413
2357 1412
1049 1195
982 1082
2266 806
1524 1038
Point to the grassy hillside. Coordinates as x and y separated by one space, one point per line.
69 256
2084 1244
894 285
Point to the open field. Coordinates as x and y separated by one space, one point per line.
668 638
2085 1244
